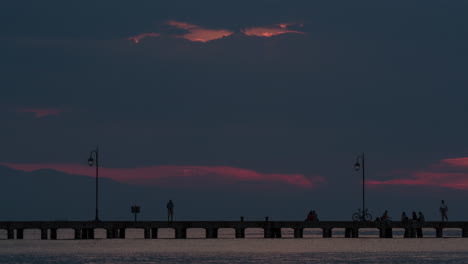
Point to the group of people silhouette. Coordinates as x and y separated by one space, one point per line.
443 209
312 215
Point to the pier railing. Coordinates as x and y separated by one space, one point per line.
272 229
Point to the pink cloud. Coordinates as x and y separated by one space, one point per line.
41 112
457 162
138 38
270 31
197 33
161 174
441 174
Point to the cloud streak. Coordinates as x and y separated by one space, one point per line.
41 112
136 39
448 173
198 33
270 31
159 175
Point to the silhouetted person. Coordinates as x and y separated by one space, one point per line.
415 216
421 218
170 211
315 216
443 211
404 217
385 217
310 216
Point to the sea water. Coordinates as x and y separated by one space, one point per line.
253 249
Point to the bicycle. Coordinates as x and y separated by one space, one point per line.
359 216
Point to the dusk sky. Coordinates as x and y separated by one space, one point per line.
221 93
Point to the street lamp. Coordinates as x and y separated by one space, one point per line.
90 163
357 166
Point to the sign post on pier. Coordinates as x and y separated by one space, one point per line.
135 211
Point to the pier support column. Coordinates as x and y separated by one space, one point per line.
240 232
109 233
19 233
277 233
122 233
77 233
147 233
419 232
439 232
465 232
267 232
53 233
327 232
386 232
347 232
44 234
351 232
298 232
90 233
84 233
11 234
211 232
180 233
154 233
382 232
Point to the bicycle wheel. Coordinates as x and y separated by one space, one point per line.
356 217
368 217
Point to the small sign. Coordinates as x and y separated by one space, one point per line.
135 209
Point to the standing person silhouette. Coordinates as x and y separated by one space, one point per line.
170 211
443 211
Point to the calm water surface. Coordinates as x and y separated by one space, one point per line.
226 250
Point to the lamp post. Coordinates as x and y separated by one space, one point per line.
90 163
357 166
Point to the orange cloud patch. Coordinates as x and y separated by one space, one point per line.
270 31
138 38
41 112
159 174
449 173
201 34
197 33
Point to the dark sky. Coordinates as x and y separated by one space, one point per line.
385 78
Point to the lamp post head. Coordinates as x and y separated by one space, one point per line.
90 161
357 165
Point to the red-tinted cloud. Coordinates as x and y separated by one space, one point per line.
159 174
270 31
449 173
137 38
202 34
197 33
457 162
40 112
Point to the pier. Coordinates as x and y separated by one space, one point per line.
272 229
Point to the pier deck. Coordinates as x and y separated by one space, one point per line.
272 229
